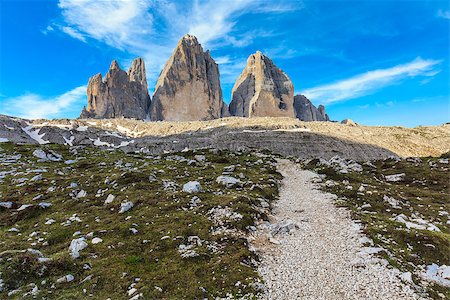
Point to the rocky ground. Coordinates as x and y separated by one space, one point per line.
403 207
284 136
79 222
81 218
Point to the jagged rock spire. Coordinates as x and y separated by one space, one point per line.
120 94
188 88
306 111
262 90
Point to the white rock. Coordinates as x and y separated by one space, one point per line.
126 206
36 178
285 226
7 204
131 291
49 222
110 199
67 278
406 277
45 204
394 177
192 187
76 246
81 194
436 274
96 240
24 206
228 181
444 271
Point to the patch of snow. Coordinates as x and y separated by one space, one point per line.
125 143
253 131
3 140
82 128
34 134
97 142
294 130
69 141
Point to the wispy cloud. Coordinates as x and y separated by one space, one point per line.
33 106
73 33
371 81
118 23
151 29
444 14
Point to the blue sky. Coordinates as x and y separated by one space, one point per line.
377 62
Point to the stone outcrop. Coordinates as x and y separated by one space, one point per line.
262 90
306 111
349 122
189 86
120 94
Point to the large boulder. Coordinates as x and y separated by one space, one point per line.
262 90
306 111
120 94
189 86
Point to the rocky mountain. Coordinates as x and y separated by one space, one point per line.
262 90
120 94
189 86
306 111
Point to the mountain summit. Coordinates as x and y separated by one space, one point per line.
121 94
189 85
262 90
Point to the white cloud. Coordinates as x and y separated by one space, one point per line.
370 82
444 14
73 33
33 106
118 23
151 29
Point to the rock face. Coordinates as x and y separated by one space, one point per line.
349 122
189 86
306 111
262 90
121 94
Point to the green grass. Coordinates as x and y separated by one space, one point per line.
223 266
424 193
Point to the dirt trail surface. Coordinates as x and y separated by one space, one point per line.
324 258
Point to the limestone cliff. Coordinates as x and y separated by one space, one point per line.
120 94
306 111
189 86
262 90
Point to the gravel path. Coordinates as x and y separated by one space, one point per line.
324 258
